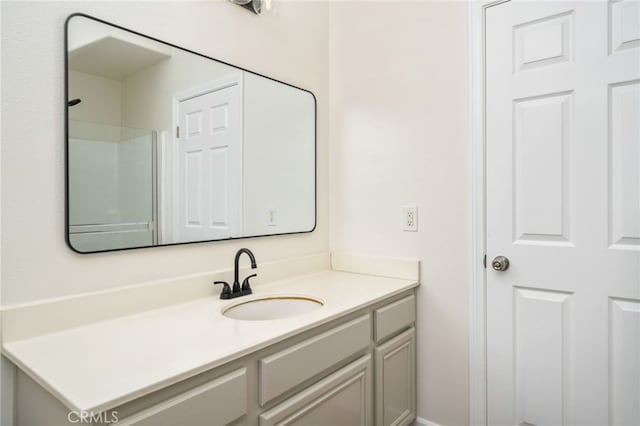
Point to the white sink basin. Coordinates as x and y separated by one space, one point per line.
271 307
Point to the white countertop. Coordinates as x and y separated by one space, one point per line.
101 365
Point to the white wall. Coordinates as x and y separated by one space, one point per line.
399 136
101 98
290 44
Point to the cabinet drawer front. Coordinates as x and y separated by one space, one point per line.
396 381
342 399
218 402
292 366
395 317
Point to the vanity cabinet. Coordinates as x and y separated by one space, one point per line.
342 399
358 369
289 367
395 399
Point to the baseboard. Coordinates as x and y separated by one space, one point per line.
424 422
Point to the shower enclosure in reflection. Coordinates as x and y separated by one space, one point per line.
112 175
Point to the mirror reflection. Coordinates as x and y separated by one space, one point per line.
166 146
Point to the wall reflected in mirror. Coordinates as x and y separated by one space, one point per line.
166 146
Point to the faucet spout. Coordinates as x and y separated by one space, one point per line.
236 282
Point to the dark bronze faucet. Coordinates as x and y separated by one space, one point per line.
236 290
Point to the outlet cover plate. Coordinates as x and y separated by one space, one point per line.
410 218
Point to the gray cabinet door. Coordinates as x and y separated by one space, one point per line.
396 380
341 399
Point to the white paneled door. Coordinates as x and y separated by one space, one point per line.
563 205
209 166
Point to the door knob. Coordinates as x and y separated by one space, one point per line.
500 263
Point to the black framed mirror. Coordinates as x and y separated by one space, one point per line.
168 146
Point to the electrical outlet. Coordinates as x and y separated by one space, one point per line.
410 218
272 217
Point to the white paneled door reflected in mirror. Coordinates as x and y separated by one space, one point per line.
167 146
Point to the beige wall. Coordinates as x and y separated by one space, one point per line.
101 98
290 44
147 95
399 136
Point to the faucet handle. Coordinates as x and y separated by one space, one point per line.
226 290
246 288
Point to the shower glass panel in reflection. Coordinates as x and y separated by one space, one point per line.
111 187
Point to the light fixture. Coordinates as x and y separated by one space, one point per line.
255 6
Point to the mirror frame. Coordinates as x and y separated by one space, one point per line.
66 138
